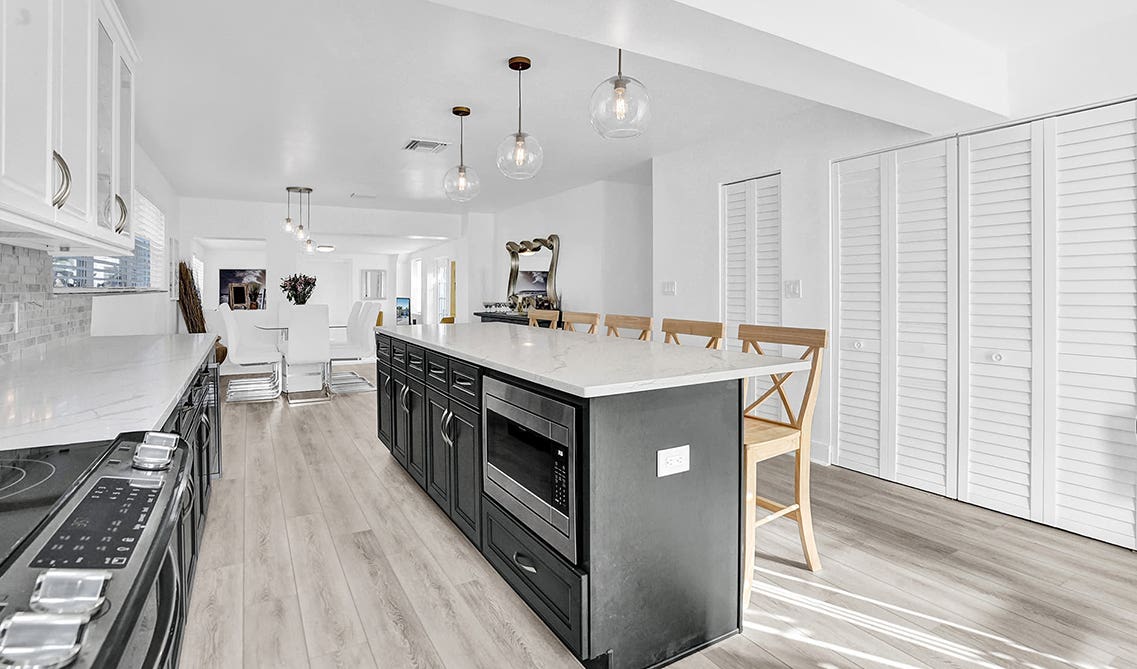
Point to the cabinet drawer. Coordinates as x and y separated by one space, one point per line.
383 348
554 589
437 370
465 383
398 355
416 362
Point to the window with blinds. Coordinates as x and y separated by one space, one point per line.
146 269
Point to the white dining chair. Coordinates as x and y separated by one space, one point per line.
360 346
307 353
260 388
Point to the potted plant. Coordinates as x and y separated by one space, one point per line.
298 287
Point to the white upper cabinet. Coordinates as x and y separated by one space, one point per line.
26 168
66 126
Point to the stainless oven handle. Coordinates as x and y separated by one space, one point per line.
173 620
541 426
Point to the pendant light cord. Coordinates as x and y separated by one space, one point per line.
288 199
461 141
620 63
519 102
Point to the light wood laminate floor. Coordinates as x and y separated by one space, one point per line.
320 551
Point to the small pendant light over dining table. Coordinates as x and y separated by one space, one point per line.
620 106
461 183
519 156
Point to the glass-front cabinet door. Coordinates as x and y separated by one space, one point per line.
104 137
126 148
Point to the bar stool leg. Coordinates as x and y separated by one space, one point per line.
804 513
749 518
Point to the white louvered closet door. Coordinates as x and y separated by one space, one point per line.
1001 306
861 191
925 270
1093 291
752 256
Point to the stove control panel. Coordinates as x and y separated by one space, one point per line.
103 530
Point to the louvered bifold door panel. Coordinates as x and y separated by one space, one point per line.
1001 237
926 267
859 203
752 257
738 210
1095 257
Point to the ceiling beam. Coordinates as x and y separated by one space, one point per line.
878 58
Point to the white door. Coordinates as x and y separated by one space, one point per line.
28 177
1001 309
1093 377
926 228
74 113
862 191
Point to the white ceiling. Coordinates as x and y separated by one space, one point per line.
1014 24
238 99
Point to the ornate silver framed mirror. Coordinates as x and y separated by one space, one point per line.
528 282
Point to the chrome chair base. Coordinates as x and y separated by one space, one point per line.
258 389
346 382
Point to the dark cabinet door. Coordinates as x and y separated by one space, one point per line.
465 430
386 404
416 419
401 442
437 449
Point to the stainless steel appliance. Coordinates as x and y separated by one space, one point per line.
529 461
94 567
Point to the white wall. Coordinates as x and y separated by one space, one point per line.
605 257
471 253
1087 67
143 313
348 228
686 226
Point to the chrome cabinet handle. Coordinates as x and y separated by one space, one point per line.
121 227
386 384
452 429
64 192
405 401
436 370
523 561
445 427
462 381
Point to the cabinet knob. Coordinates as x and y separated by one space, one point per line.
997 357
858 345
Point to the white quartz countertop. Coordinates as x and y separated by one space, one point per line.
97 387
588 365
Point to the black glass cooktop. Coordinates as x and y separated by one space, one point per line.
32 481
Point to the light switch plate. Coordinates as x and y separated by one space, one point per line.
792 289
672 461
670 288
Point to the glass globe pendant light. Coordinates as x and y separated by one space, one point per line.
620 106
519 156
461 183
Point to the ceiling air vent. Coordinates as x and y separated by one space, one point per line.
425 145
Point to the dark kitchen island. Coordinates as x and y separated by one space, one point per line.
601 477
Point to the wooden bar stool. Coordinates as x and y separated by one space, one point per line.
673 327
642 323
538 315
571 318
764 438
446 320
